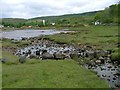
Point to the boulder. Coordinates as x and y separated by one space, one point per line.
4 60
38 53
98 62
47 55
99 53
59 56
90 53
74 55
22 59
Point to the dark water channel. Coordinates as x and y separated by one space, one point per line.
108 72
49 50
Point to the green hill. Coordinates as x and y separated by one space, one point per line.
109 15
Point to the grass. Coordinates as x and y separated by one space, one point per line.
104 37
50 74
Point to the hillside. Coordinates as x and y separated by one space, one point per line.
66 19
109 15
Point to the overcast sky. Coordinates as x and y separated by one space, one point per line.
37 8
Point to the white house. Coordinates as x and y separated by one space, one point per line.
97 23
52 24
43 22
1 26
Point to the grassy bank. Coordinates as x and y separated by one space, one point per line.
50 74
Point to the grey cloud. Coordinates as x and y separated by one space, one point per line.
33 8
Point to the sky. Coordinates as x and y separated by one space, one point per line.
37 8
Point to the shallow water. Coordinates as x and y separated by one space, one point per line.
19 34
108 72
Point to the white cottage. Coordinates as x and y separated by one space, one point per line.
97 23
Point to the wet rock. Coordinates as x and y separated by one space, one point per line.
38 53
102 68
103 75
114 78
118 74
98 62
109 66
22 59
117 85
113 69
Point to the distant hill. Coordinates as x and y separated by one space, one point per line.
56 18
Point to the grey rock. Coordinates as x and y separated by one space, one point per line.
47 55
74 55
4 60
59 56
22 59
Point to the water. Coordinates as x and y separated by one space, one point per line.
108 72
19 34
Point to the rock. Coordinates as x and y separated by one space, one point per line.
29 52
103 75
98 62
109 66
102 68
90 53
38 53
47 55
32 56
114 78
99 53
4 60
91 64
59 56
23 38
74 55
22 59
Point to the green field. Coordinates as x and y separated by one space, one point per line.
50 74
